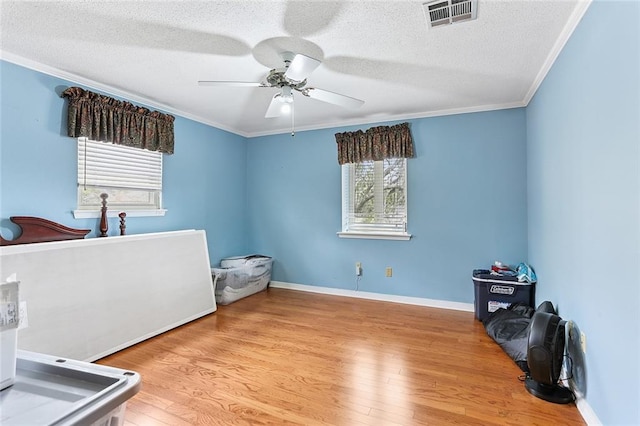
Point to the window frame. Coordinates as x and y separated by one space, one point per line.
375 232
113 209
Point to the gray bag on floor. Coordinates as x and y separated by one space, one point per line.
510 329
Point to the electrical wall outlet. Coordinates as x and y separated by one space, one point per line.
389 271
358 269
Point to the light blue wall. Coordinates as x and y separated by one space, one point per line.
466 208
204 181
557 184
583 131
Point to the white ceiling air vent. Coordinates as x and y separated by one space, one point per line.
442 12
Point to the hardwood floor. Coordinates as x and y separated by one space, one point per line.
287 357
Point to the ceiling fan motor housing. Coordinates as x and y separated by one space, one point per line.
276 78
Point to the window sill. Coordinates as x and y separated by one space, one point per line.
376 235
90 214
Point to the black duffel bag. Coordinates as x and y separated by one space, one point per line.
510 329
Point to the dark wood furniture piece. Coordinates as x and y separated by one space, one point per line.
123 225
104 224
38 230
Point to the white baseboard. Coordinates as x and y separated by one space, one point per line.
585 410
458 306
587 413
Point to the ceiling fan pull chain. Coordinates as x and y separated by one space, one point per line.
293 108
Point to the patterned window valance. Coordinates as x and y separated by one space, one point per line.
377 143
102 118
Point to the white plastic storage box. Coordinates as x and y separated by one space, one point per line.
54 391
241 276
493 292
9 319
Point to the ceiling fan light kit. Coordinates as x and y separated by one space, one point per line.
286 95
281 103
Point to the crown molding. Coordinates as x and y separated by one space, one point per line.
398 117
566 33
111 90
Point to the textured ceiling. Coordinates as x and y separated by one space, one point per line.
382 52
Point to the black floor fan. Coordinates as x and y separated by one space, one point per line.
545 355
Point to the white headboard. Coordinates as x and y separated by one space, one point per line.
89 298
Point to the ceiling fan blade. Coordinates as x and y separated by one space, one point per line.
300 67
230 83
333 98
274 107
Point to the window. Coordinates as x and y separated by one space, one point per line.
131 177
374 199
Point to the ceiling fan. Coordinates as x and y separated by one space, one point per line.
292 77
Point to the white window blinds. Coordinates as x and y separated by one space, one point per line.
116 166
131 177
374 196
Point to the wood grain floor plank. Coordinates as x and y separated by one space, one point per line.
285 357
